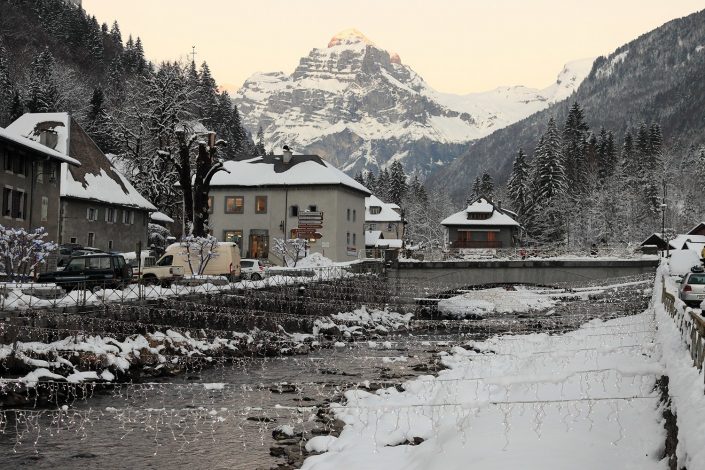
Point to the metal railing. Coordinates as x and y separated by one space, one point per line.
690 323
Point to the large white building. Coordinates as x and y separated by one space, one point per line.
265 198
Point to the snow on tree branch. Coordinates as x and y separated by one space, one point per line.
291 251
21 251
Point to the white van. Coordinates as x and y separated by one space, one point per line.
225 263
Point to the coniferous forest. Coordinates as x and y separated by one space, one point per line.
55 57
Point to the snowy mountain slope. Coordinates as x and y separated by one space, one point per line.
656 77
360 107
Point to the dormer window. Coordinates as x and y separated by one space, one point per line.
374 210
479 215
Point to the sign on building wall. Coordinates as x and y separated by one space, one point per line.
309 225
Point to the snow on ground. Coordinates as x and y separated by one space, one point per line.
314 260
583 400
496 300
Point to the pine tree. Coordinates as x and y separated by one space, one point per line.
7 88
518 186
260 142
42 93
17 107
383 182
476 188
397 183
575 134
486 186
98 126
140 62
630 165
116 36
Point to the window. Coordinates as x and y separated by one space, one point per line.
18 166
45 208
374 210
110 245
99 262
373 227
354 239
234 204
347 242
294 211
7 202
313 208
132 217
92 214
74 240
210 204
91 239
348 215
40 171
19 205
354 215
111 215
247 264
233 236
390 227
125 217
260 204
478 215
8 162
166 261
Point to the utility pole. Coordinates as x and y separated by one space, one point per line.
663 218
193 54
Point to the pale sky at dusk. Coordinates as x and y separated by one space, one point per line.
456 46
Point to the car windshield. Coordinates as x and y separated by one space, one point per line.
696 279
246 264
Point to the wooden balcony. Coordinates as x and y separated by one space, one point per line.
476 244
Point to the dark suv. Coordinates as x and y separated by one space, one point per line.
91 271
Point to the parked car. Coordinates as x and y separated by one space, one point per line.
93 271
65 254
174 263
692 289
146 260
253 269
163 272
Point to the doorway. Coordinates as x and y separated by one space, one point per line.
259 244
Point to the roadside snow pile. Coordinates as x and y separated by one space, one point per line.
495 300
583 400
314 260
682 260
361 323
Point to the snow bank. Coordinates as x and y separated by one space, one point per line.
314 260
583 400
682 260
495 300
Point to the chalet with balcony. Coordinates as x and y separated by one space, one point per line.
97 206
482 225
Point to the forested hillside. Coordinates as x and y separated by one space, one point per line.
56 57
656 78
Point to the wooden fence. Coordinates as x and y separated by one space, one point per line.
690 323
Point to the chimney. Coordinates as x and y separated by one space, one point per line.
48 138
286 155
499 205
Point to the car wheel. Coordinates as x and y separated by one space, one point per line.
165 284
256 277
150 280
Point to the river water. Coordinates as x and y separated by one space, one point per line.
223 416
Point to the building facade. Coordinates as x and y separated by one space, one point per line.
482 225
265 198
29 177
384 217
97 205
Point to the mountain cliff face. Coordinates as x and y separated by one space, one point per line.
360 107
654 78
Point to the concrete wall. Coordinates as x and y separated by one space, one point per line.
430 278
75 224
333 201
36 183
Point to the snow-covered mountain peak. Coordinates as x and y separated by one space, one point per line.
358 106
349 36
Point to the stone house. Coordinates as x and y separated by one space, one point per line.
482 225
99 207
384 217
29 177
271 197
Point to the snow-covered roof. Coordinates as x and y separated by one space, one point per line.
387 212
371 237
161 217
497 217
96 179
696 228
389 243
681 240
36 146
270 170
